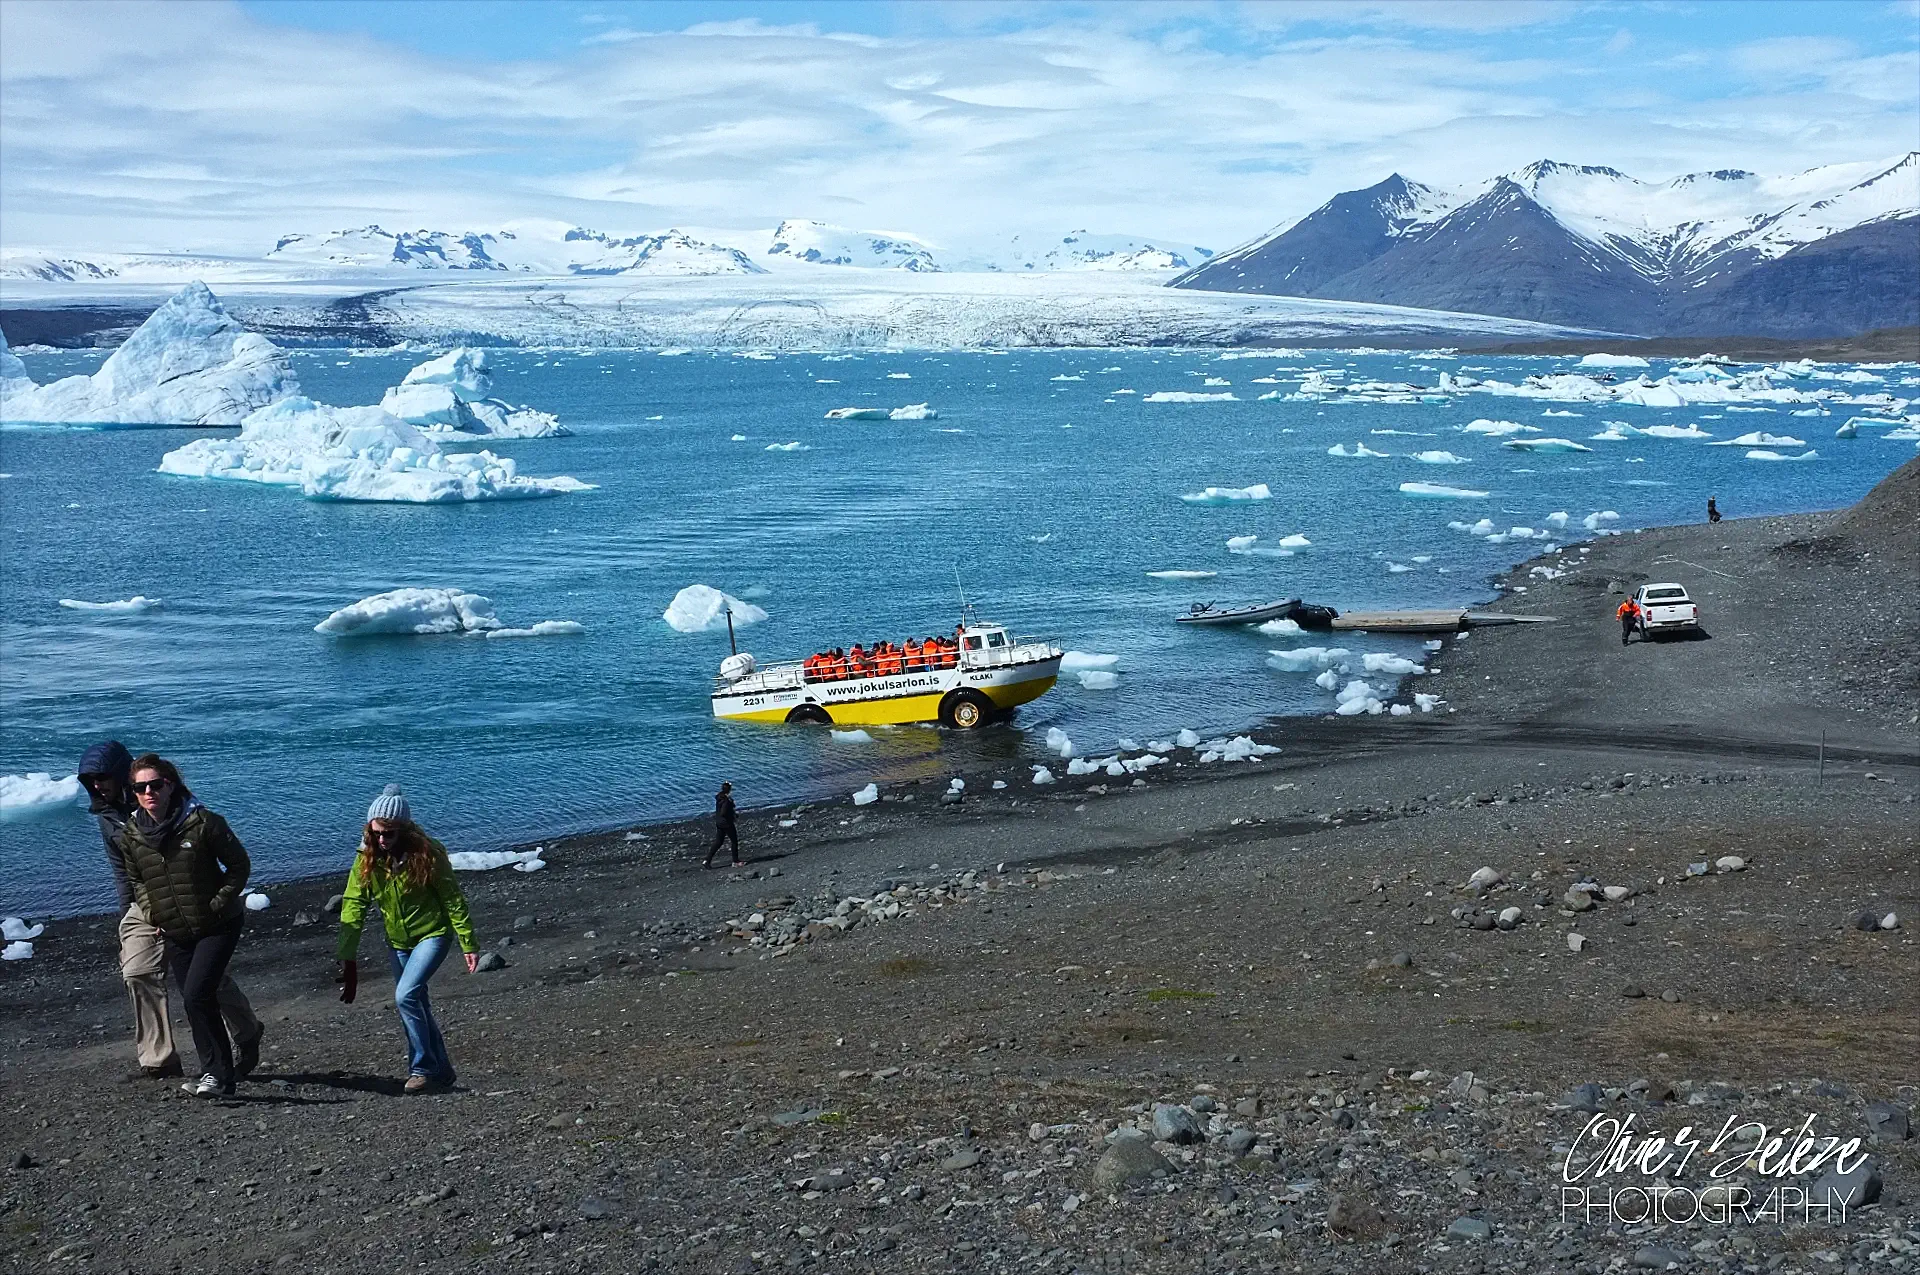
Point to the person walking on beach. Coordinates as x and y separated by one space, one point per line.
407 875
1713 510
725 825
104 773
1629 615
187 870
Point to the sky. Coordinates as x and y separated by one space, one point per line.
220 125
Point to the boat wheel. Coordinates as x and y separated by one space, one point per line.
966 710
810 715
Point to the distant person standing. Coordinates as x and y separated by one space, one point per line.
407 875
1713 510
187 870
1629 615
104 772
725 825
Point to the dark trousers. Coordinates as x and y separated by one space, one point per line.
1626 628
724 832
198 965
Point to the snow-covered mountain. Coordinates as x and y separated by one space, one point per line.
821 243
1078 250
372 247
1592 246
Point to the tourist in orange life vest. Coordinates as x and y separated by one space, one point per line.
913 662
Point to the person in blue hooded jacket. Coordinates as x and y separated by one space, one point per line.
103 772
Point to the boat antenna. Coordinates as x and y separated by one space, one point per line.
966 611
731 648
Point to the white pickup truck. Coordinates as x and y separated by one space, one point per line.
1666 608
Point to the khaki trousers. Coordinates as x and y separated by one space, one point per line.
143 965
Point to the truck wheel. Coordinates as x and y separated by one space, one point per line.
810 715
965 710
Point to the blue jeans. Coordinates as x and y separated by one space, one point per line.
427 1053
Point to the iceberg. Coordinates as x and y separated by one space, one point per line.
867 796
913 412
1760 438
1080 661
1438 458
357 454
1675 431
1295 541
1241 544
190 363
1098 680
794 446
699 608
1611 360
1545 445
411 611
1497 429
451 394
36 793
1357 697
1187 396
545 628
1593 521
1182 575
1359 449
1761 453
1849 430
133 605
850 737
858 414
1435 491
1394 665
1306 659
1228 495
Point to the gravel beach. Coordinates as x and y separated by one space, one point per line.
1349 1007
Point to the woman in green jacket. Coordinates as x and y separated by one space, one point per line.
407 875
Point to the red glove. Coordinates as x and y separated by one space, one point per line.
349 980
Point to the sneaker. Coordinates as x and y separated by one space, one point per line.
246 1057
205 1087
416 1083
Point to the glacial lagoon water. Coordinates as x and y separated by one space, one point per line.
1051 493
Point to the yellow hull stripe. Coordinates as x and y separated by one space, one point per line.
905 709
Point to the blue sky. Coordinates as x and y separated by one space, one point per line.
221 124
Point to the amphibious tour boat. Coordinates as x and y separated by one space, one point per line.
963 682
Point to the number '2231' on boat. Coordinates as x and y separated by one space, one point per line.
992 673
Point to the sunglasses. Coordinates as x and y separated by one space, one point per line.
152 785
384 834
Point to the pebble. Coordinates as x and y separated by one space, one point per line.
1576 942
1633 992
1618 893
1577 901
1248 1107
1670 996
1468 1228
1888 1122
1729 863
334 901
1485 878
1239 1142
1175 1124
1204 1104
1510 917
961 1160
1860 1185
1589 1098
1353 1215
490 961
1401 960
1127 1160
525 922
1653 1257
304 918
1891 921
22 1161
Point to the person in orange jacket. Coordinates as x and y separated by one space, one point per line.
1629 616
912 662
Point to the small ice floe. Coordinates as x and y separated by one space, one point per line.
1437 458
1688 431
1241 544
1545 445
738 438
1358 449
1188 396
858 414
20 951
1398 568
452 394
1554 412
1282 627
1761 453
16 930
1306 659
1426 703
1239 748
795 446
855 736
533 864
699 608
1098 680
35 794
256 901
1057 742
1437 491
1214 380
1064 377
1079 661
1557 521
998 784
488 860
1183 575
1594 521
127 606
867 796
913 412
1357 697
1497 429
546 628
1612 360
1228 495
412 611
1392 665
1186 738
1041 775
1760 438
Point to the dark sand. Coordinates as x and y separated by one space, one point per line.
646 1088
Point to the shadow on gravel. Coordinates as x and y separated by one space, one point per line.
387 1086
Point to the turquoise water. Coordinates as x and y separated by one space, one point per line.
1052 501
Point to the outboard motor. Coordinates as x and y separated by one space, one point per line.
735 667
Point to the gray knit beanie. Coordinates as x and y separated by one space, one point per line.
390 804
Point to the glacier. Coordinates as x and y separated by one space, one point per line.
453 394
355 454
190 363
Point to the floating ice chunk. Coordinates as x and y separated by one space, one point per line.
1081 766
1592 521
1228 495
1187 396
850 737
738 438
535 864
1557 520
21 951
1392 665
1545 445
1305 659
1041 775
1432 644
1687 431
1760 438
1555 412
545 628
1077 661
488 860
1813 411
133 605
899 376
1401 710
795 446
354 454
913 412
1058 742
1064 377
1850 430
1183 575
453 394
1761 453
1187 738
1359 449
858 414
1282 627
1426 703
1098 680
36 793
1398 568
1295 541
867 796
15 930
1611 360
1328 680
408 611
256 901
699 608
1214 380
1357 697
1497 429
1438 458
1240 544
1240 748
1435 491
190 363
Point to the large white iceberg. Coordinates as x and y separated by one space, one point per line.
32 795
190 363
699 607
354 453
1612 360
412 611
452 394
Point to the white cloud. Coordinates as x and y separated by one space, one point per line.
137 125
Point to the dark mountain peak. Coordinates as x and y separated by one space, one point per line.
1717 175
1549 167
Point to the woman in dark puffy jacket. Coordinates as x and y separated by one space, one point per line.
188 870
